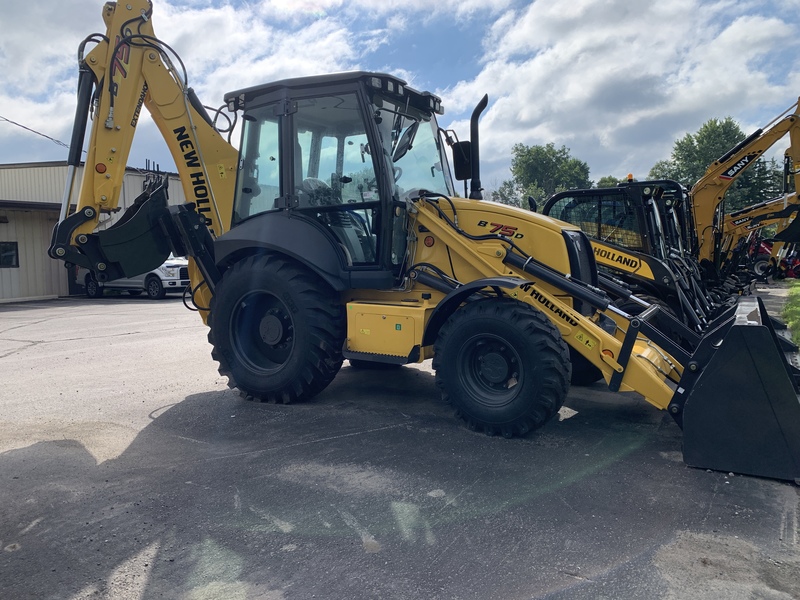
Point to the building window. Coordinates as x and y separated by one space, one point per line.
9 255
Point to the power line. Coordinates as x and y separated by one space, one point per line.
59 142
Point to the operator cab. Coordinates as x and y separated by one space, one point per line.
646 217
334 158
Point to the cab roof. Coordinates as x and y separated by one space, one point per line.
388 84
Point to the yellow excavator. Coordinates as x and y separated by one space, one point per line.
708 194
336 232
742 226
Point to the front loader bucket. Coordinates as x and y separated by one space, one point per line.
742 413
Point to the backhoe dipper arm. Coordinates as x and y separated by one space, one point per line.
709 192
127 69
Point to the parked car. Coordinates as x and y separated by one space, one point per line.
172 276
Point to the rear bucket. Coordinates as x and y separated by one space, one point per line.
742 413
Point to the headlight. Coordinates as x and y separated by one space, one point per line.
169 271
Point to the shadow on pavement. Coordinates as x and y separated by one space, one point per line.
372 490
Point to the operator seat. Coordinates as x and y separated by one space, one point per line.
350 230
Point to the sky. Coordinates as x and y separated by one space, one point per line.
615 81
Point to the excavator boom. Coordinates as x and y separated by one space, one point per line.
708 194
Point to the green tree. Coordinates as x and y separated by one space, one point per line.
540 172
545 170
609 181
508 193
513 194
694 153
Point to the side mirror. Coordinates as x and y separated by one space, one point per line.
462 160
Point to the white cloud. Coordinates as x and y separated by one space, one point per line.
617 82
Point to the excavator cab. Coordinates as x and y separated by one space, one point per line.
636 231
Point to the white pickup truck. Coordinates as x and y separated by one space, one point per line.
171 277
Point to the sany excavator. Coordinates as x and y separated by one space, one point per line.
740 227
708 194
335 232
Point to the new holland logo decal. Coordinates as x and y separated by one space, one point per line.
617 259
557 311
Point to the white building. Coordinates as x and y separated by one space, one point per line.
30 202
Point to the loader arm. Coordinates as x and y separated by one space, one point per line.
708 194
130 68
646 369
733 393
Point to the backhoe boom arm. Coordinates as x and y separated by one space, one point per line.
128 69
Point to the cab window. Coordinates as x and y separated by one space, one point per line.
334 173
606 217
258 181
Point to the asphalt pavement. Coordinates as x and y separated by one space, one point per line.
128 469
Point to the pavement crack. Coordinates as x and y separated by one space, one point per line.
27 345
75 339
23 325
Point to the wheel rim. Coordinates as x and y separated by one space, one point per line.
491 367
153 288
262 332
760 267
91 288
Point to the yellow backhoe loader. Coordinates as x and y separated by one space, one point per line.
335 232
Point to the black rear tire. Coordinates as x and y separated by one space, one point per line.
277 330
503 365
154 288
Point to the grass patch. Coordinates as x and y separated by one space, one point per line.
791 311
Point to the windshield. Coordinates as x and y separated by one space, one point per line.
411 144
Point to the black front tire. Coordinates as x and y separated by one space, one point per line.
155 289
760 266
503 365
277 330
93 289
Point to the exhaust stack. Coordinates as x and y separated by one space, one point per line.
475 189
